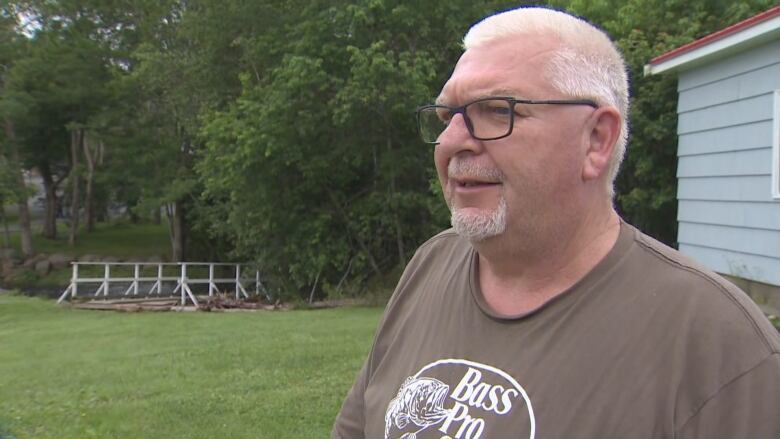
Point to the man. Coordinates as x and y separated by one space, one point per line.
542 313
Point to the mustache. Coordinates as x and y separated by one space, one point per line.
460 168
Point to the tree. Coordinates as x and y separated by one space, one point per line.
647 184
317 167
11 108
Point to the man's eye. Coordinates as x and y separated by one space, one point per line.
498 110
491 109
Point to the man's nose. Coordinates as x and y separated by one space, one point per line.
457 137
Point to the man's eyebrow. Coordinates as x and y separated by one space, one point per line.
499 92
504 92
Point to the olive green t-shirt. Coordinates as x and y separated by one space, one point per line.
646 345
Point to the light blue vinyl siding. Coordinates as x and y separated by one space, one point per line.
731 138
726 163
759 242
751 215
744 265
719 188
727 217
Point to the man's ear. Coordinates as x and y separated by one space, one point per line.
604 131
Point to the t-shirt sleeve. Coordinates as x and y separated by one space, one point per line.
748 406
350 421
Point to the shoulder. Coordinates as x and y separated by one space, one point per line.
438 249
717 335
443 239
710 302
442 257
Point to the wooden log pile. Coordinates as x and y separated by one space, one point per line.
207 303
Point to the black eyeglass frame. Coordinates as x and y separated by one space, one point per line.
512 102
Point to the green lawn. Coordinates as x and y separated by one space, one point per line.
68 373
121 239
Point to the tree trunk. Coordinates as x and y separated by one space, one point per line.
337 206
169 216
6 232
314 288
399 236
176 230
76 140
50 188
24 212
180 229
89 209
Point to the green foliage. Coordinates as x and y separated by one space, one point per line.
317 163
22 277
647 184
775 320
283 130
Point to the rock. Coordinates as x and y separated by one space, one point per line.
89 258
110 259
29 263
9 253
59 261
7 267
43 267
154 259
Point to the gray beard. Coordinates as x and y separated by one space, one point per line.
478 227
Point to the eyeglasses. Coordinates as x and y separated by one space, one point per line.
489 118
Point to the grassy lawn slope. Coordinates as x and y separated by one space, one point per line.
78 374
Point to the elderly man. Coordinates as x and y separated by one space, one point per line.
542 313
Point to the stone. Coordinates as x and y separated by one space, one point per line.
8 266
89 258
59 261
9 253
43 267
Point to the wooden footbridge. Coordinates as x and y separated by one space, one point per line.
157 278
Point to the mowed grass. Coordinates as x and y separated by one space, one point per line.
130 242
120 239
67 373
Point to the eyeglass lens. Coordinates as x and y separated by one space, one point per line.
485 119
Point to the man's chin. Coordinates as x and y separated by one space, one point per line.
476 225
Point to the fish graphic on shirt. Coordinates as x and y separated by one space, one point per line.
420 401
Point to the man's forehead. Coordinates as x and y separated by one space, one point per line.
505 68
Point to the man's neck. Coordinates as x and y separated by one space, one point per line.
516 279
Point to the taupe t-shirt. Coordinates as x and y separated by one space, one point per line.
648 344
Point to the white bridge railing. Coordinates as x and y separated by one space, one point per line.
183 279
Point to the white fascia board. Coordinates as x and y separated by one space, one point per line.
776 148
752 34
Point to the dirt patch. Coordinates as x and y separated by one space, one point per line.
153 304
49 291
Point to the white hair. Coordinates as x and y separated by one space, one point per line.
587 65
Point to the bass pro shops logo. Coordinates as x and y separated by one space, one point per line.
459 399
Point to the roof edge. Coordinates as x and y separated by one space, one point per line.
735 35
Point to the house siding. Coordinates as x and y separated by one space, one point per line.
727 217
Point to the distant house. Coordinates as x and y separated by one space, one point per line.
729 150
